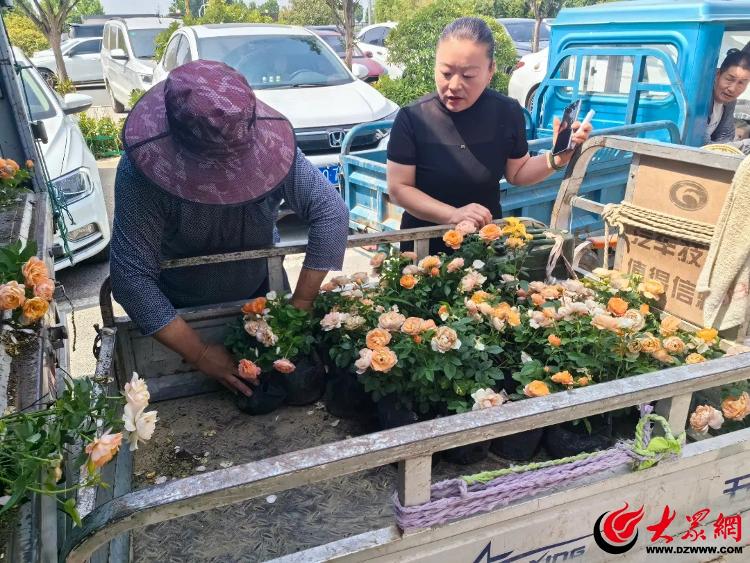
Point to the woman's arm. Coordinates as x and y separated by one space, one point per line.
531 170
403 192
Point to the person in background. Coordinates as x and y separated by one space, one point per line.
205 169
448 150
730 83
741 130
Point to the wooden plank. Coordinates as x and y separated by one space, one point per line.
268 476
276 274
414 480
179 385
422 248
119 548
676 411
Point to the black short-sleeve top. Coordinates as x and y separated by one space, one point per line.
460 157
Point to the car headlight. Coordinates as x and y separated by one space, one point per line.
74 186
383 132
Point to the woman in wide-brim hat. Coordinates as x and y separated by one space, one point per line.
205 168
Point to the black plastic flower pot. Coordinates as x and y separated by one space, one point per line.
535 262
392 413
267 396
518 447
565 440
345 396
306 383
466 455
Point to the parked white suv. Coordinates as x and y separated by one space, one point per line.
128 56
371 39
82 59
295 72
71 166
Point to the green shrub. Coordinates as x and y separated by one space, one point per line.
23 33
103 135
412 45
63 87
135 95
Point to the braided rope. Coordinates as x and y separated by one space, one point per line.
483 492
721 148
622 214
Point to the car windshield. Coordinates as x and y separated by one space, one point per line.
143 42
40 105
523 32
338 45
277 61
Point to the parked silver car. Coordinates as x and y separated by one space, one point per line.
82 59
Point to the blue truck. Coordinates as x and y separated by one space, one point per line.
647 67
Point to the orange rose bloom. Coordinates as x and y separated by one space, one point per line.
417 339
103 449
429 324
12 295
617 306
736 408
256 306
412 326
383 359
35 308
563 378
35 271
513 318
29 164
435 272
554 340
694 359
248 370
453 239
669 326
45 289
480 296
8 168
408 281
645 309
429 262
443 312
284 366
536 389
490 232
708 335
537 299
377 338
409 255
583 381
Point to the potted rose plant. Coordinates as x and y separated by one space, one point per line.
274 346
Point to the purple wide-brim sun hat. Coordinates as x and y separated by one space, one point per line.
203 136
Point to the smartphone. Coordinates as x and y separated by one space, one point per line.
565 133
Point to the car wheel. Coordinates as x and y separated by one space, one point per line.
49 77
530 99
117 106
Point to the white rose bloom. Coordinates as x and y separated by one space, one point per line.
136 392
271 295
140 425
477 264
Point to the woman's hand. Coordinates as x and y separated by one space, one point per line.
477 214
579 136
216 362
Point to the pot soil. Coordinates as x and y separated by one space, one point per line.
565 440
306 383
268 396
345 396
518 447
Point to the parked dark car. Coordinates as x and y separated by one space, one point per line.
521 32
374 69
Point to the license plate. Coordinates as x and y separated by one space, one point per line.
331 173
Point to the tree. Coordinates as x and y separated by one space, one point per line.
343 13
85 8
49 17
270 8
412 45
24 34
308 12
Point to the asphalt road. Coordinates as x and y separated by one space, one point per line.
99 94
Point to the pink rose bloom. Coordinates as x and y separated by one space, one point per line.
248 370
466 228
377 260
409 255
455 265
364 361
45 289
284 366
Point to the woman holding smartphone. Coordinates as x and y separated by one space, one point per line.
448 150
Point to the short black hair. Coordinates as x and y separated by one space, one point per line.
736 57
473 29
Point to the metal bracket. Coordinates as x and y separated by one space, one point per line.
57 335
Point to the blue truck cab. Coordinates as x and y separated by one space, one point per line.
647 67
